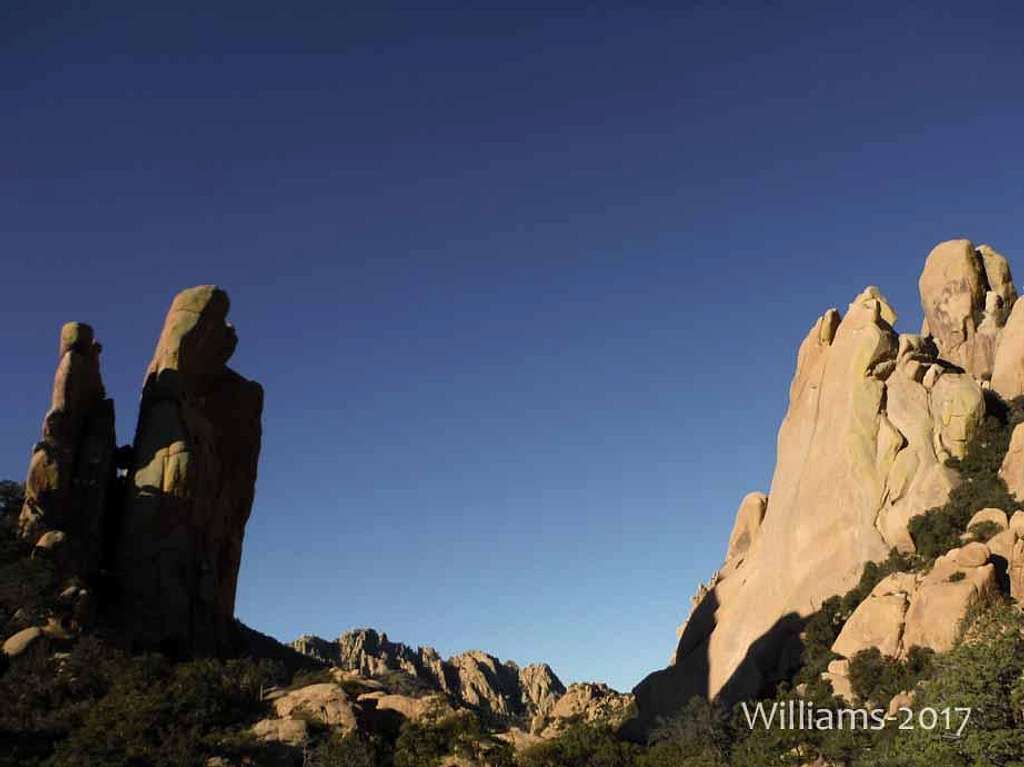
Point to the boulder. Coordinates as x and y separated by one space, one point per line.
838 675
1015 570
190 489
1008 368
939 604
289 732
900 700
324 702
877 622
748 523
973 554
995 516
1017 522
1012 469
31 643
1001 544
587 702
409 708
959 314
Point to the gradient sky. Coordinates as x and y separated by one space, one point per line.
524 288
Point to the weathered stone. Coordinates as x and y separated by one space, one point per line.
472 679
191 487
973 554
748 523
958 407
407 707
900 700
1015 570
1008 368
936 609
1012 469
1002 543
325 702
588 702
953 285
290 732
72 466
859 455
27 643
877 622
995 516
838 675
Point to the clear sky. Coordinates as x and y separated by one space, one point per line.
524 288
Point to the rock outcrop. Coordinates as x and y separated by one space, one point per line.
473 679
72 467
583 702
966 294
1012 469
191 486
167 548
861 451
907 610
873 418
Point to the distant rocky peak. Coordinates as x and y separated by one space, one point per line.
473 678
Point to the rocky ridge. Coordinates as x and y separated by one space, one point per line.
530 700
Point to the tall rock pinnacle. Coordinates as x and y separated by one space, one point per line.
72 466
190 490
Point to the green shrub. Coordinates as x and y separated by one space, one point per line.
877 678
426 742
822 628
583 745
939 529
983 672
984 531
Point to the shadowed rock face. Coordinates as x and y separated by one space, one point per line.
190 489
72 466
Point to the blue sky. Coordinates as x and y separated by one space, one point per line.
524 287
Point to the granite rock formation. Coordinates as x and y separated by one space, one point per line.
165 548
191 486
72 467
473 679
873 418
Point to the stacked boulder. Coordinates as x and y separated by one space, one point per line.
473 679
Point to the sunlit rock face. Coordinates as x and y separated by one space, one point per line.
873 417
191 485
967 294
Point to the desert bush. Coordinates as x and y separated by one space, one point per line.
877 678
582 745
425 743
939 529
